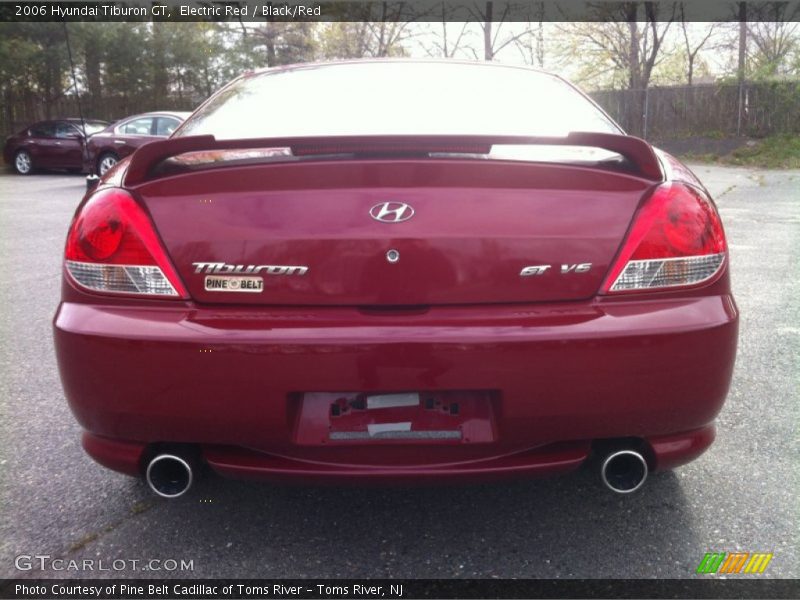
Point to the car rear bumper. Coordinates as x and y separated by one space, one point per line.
661 452
545 383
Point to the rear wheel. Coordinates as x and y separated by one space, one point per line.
23 163
105 162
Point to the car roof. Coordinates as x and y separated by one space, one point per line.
68 120
78 120
384 60
159 113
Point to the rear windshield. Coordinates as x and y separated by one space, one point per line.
397 99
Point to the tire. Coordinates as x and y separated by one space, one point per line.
23 164
105 162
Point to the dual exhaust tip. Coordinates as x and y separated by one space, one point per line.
171 476
624 471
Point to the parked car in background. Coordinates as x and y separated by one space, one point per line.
119 140
55 144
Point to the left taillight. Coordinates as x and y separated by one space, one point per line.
112 247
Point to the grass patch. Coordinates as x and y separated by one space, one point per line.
774 152
83 542
700 157
140 507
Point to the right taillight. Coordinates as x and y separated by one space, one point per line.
676 240
112 247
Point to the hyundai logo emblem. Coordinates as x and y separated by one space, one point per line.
391 212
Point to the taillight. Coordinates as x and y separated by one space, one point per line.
112 247
676 240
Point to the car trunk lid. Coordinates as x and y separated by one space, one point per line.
332 232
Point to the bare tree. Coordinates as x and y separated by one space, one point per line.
386 37
491 23
449 47
693 47
283 42
531 46
645 41
382 30
618 39
740 71
628 46
445 44
773 30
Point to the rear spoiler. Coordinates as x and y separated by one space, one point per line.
148 157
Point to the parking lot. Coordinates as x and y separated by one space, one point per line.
741 495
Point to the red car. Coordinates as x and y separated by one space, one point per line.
56 144
445 271
119 140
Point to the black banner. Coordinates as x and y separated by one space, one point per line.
212 589
394 10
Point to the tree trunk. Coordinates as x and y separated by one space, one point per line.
91 57
634 66
742 40
540 41
742 58
636 97
269 42
488 51
51 89
160 75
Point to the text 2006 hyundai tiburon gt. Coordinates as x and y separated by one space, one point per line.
396 271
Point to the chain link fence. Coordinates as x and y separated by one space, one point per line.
657 113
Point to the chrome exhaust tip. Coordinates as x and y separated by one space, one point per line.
624 471
169 476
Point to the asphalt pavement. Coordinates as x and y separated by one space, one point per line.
741 495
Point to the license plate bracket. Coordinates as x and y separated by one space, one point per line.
437 417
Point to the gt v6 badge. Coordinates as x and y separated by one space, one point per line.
224 268
535 270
